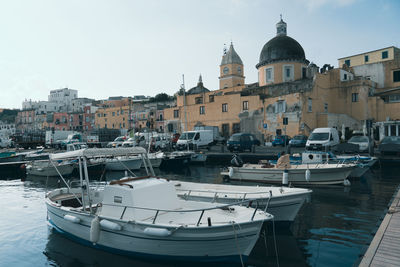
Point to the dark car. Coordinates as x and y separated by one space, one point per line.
298 140
390 146
242 142
280 140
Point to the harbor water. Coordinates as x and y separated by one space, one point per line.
333 229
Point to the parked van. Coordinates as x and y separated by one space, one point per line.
199 138
322 139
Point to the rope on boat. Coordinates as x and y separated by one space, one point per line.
276 248
237 244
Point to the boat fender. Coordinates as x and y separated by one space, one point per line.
109 225
95 230
230 172
157 231
71 218
285 177
346 182
308 175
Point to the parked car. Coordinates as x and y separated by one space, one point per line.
117 142
365 143
389 146
242 142
322 139
298 140
280 140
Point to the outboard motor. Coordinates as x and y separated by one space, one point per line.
236 161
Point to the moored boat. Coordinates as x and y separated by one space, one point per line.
47 168
143 217
282 202
299 174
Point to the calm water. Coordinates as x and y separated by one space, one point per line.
333 229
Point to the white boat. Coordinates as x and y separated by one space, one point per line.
155 159
143 217
318 174
122 163
282 202
47 168
362 163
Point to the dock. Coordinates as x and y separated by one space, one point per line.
384 249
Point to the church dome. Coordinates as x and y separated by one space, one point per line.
281 48
199 89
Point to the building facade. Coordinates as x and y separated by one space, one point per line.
365 88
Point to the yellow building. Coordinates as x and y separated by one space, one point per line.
365 89
112 117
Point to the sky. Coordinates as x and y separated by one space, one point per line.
106 48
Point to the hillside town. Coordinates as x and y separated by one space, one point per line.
292 96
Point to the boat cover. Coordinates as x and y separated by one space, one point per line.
99 152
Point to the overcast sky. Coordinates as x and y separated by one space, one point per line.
108 48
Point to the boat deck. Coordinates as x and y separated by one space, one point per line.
384 249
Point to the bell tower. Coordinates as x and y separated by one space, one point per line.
231 69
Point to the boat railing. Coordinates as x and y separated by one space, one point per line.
225 193
202 211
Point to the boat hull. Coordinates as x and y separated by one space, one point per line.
50 170
318 176
115 165
185 243
284 209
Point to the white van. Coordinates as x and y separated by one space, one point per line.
199 138
322 138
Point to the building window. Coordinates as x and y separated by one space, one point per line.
280 106
394 98
113 114
122 112
309 105
199 100
269 74
396 76
347 62
245 105
354 97
239 69
211 98
325 107
345 76
385 54
287 73
202 110
366 58
236 128
225 107
176 113
304 73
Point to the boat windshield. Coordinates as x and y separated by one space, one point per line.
187 136
358 139
319 136
391 140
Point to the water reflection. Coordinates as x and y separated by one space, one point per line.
64 252
331 230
